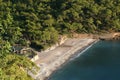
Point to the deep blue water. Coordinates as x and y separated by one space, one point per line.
100 62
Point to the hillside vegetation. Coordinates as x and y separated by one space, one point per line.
38 24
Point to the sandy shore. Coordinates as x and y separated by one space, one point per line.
50 61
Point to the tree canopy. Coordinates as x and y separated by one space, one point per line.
38 24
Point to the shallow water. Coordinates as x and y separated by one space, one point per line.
100 62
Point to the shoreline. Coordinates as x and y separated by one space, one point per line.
50 61
74 56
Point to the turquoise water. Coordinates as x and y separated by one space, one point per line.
100 62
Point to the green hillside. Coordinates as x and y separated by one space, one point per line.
38 23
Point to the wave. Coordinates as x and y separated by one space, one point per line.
80 52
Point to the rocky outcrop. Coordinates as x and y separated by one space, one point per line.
110 36
36 57
62 39
102 36
116 36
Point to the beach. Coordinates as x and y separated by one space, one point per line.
53 59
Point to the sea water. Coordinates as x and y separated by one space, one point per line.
99 62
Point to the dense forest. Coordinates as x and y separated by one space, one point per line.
38 24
